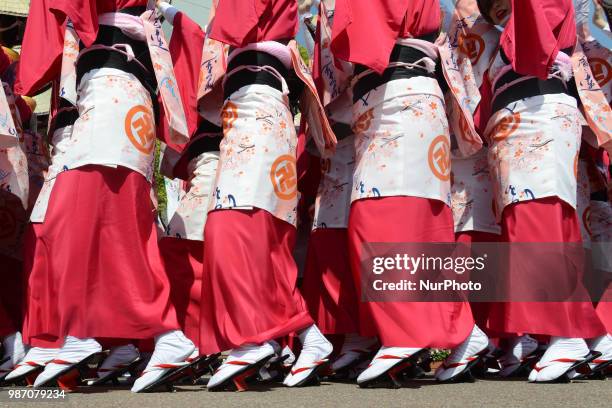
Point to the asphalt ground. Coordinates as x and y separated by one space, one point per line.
415 393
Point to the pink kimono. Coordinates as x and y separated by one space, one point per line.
530 206
328 286
401 184
249 292
102 255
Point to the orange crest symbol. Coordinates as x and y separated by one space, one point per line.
506 127
140 128
283 175
439 158
8 223
364 122
472 45
229 115
601 70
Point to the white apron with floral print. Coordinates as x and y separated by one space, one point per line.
116 125
534 150
334 195
190 217
60 142
472 194
257 162
402 144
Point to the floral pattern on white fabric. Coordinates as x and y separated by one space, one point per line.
402 143
190 217
257 165
472 194
533 152
334 195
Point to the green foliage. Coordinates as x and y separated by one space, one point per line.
304 54
439 354
159 186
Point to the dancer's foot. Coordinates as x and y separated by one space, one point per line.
464 356
243 360
562 356
35 358
315 352
602 344
72 352
520 348
118 359
171 351
385 360
14 352
354 350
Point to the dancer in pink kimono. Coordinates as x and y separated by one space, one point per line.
182 247
534 137
98 225
14 203
595 213
249 294
328 284
401 182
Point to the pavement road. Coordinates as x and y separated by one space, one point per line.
421 393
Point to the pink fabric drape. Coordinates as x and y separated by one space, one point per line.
241 22
328 287
41 51
41 321
536 32
186 47
543 220
365 31
105 266
406 324
183 260
249 292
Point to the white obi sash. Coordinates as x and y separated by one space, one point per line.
257 161
60 143
334 195
190 217
402 145
472 194
116 125
534 150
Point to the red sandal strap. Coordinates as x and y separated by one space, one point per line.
460 363
302 369
62 362
391 357
539 368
